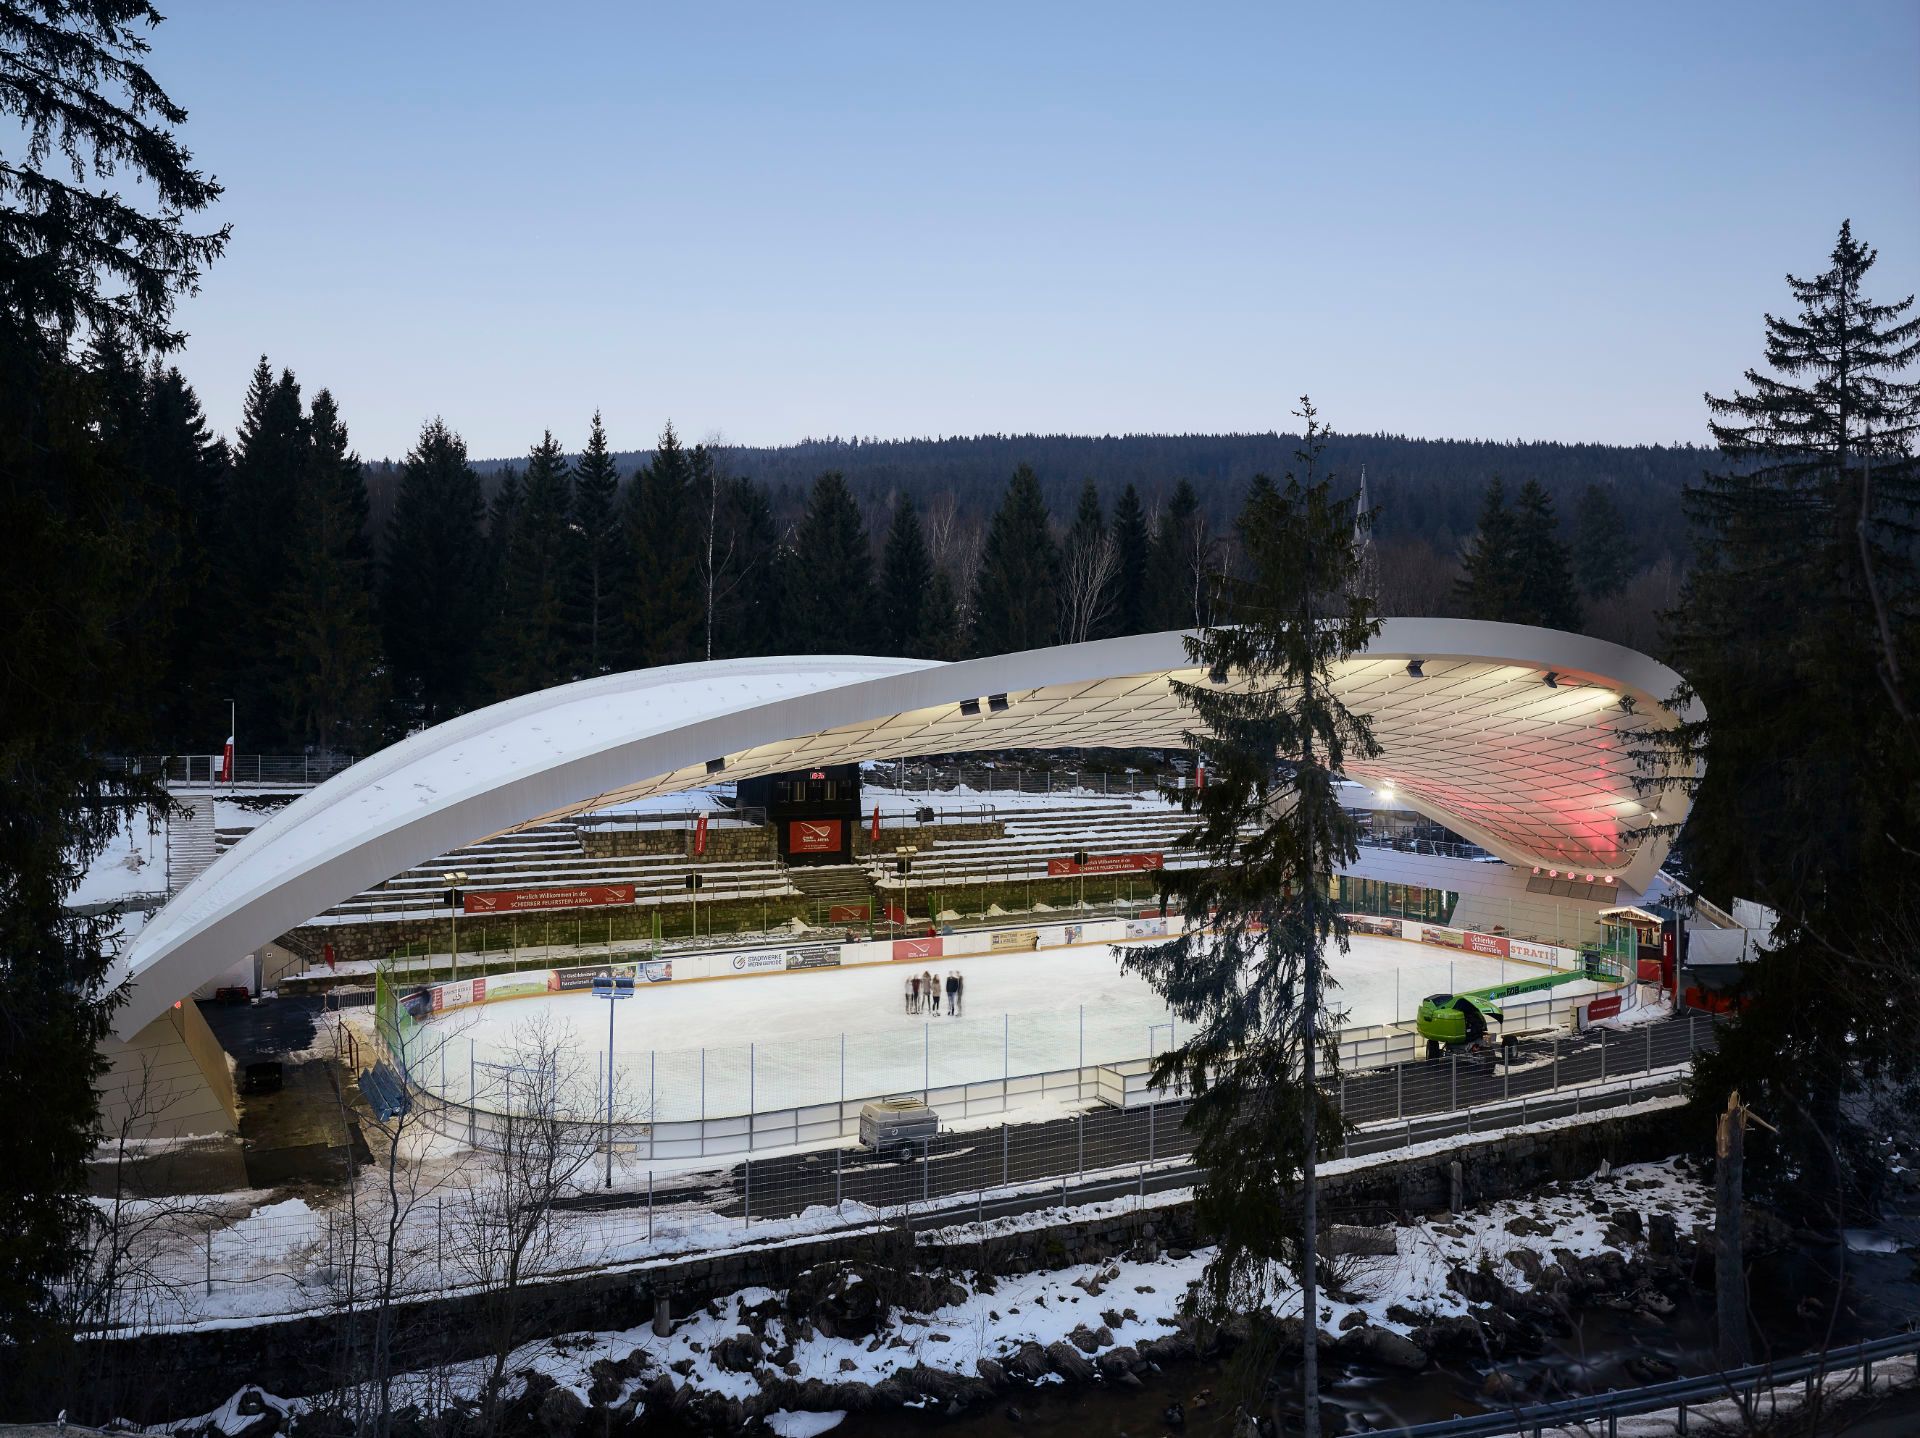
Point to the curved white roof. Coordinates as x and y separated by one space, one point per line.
1537 774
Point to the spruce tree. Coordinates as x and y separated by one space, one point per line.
595 603
533 638
180 457
1544 568
1178 571
327 649
1489 582
433 598
942 635
1088 572
1798 631
1601 560
905 571
1132 549
832 596
750 618
1246 978
94 203
661 600
269 465
1017 597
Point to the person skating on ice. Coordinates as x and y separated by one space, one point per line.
912 994
959 991
953 994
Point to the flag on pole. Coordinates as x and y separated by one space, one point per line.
1199 774
876 823
226 762
700 835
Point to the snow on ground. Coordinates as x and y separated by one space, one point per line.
993 1317
134 862
815 1036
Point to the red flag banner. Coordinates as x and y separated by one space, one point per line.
700 835
520 901
226 762
1106 864
876 824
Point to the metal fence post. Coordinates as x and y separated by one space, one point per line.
1603 1056
209 1258
746 1199
649 1205
836 1179
1080 1145
1150 1111
1003 1155
1649 1033
1453 1080
1399 1078
752 1097
1556 1063
926 1171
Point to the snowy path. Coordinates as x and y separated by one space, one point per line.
730 1046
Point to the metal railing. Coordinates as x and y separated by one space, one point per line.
247 768
1679 1394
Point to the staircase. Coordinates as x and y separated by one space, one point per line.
191 842
830 887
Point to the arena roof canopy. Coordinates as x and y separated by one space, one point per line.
1522 740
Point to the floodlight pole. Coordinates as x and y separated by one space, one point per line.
609 1179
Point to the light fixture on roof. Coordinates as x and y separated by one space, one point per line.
1552 679
1626 703
970 707
1415 669
714 766
997 703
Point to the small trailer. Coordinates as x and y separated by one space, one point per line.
897 1127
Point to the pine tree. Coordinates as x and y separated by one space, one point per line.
1247 976
269 464
661 602
1601 563
1179 565
327 650
904 578
533 643
1016 601
1799 631
1544 568
942 636
1132 549
596 495
1088 572
1489 582
433 600
832 598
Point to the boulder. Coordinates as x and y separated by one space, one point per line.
1120 1361
1030 1362
1069 1363
561 1412
1353 1240
1384 1348
840 1300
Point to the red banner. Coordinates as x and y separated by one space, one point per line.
1603 1008
700 835
917 948
847 914
520 901
1486 944
875 835
1106 864
813 836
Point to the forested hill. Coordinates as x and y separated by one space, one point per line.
1424 487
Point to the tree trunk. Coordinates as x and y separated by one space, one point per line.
1729 1269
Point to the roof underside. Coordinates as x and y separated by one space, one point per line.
1537 774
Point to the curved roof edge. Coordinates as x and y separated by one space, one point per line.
578 746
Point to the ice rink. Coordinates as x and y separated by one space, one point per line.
729 1046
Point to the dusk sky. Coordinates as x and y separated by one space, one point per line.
768 222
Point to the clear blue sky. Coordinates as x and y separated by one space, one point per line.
1552 221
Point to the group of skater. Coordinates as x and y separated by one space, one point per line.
923 992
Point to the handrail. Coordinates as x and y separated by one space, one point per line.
1678 1393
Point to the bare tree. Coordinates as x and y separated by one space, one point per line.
1086 587
542 1152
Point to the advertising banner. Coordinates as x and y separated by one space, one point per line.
917 948
521 901
1532 952
1106 864
654 971
814 836
1445 938
1479 943
700 834
1605 1008
896 914
1008 939
1373 924
814 956
1145 928
759 961
567 980
1073 933
848 914
514 986
459 994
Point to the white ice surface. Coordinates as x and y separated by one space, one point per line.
778 1040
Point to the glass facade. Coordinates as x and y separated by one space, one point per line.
1394 901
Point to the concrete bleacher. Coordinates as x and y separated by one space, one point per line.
1034 836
